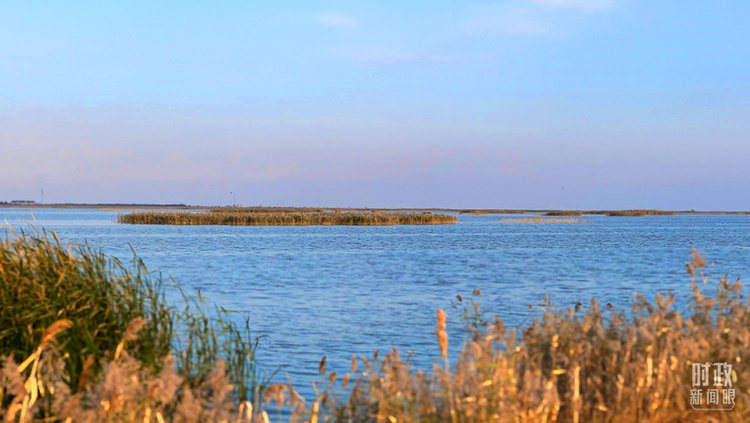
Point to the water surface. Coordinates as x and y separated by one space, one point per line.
337 290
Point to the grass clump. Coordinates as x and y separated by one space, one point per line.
42 282
254 218
564 213
97 339
542 219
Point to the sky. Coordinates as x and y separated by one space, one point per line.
587 104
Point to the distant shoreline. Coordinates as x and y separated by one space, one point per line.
119 206
101 206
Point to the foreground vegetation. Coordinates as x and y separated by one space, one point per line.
96 340
285 218
570 365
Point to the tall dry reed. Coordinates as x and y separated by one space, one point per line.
568 366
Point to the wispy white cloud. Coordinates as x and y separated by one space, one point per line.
336 20
583 5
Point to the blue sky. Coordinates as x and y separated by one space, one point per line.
518 104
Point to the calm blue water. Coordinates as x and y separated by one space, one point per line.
335 291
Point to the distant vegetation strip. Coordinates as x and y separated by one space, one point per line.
542 219
631 213
245 218
482 212
32 204
564 213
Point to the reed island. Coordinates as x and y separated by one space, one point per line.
251 217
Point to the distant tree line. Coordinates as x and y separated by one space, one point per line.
121 204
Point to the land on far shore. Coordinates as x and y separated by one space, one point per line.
114 206
551 212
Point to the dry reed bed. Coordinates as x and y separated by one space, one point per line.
221 217
637 213
564 213
542 219
268 210
569 366
597 365
626 213
483 212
